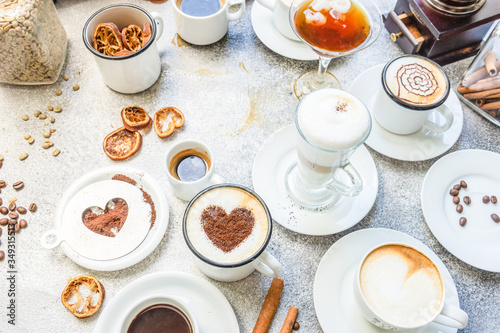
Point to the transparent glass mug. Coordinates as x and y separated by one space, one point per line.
323 174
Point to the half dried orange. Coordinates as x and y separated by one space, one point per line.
107 39
83 296
166 120
121 144
135 118
146 33
132 37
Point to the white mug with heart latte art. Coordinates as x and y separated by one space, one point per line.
228 227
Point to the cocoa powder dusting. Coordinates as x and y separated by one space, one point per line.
124 178
227 231
113 218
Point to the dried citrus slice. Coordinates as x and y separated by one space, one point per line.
135 118
166 120
132 37
107 39
146 33
123 52
83 296
121 144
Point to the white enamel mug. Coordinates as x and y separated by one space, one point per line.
131 73
281 16
209 29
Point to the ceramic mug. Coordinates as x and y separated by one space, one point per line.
131 73
280 10
225 255
414 90
204 30
397 287
186 190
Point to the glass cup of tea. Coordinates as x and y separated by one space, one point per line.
332 28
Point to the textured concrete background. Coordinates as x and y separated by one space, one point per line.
234 94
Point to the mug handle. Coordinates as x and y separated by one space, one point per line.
348 190
269 4
268 265
159 24
50 244
445 112
452 316
237 14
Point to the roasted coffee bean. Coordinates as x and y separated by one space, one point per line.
462 221
495 218
1 201
2 255
494 199
456 200
1 163
21 210
4 210
32 208
17 228
460 208
3 183
23 224
463 184
12 221
18 185
13 215
457 187
4 221
454 192
296 326
486 199
467 200
12 206
1 231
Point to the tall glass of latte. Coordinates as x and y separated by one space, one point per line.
331 124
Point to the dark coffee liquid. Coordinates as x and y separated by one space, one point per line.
160 318
200 7
191 168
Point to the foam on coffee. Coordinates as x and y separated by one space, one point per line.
228 198
333 119
416 81
401 285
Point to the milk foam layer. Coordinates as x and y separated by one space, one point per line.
402 286
228 198
333 119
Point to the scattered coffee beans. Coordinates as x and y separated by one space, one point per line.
76 87
18 185
37 113
460 208
456 200
65 78
21 210
463 221
32 208
50 107
25 117
457 187
56 152
17 228
454 192
495 218
12 206
27 136
57 109
296 326
12 221
4 210
13 215
23 224
494 199
4 221
59 93
42 116
3 183
463 184
2 255
467 200
31 140
486 199
23 156
1 201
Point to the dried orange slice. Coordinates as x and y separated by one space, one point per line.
132 37
123 52
121 144
166 120
83 303
135 118
146 33
107 39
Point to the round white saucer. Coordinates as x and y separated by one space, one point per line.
477 242
418 146
211 308
333 284
263 25
271 162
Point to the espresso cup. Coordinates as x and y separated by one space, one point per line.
280 10
227 227
134 72
165 312
190 168
414 90
331 124
397 287
206 29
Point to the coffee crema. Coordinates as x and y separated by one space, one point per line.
416 81
227 224
401 285
160 318
189 165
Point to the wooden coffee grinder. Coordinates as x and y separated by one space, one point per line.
443 30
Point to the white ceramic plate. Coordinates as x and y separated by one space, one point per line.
333 284
271 162
477 243
263 25
418 146
210 306
155 234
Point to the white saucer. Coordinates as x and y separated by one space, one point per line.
418 146
333 285
210 306
477 243
154 236
271 162
263 25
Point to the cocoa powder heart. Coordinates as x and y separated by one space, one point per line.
108 221
227 231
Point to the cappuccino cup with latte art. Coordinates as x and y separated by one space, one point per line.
414 90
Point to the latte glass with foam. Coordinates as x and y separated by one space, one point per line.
397 287
228 227
331 124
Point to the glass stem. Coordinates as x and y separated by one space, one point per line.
322 68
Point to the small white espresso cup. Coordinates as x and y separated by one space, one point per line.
397 287
131 73
414 90
281 16
186 190
204 30
245 254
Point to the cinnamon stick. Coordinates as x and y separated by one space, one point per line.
495 105
486 84
480 102
481 94
479 74
489 63
464 90
270 305
290 320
